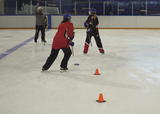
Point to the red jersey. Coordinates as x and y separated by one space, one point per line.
61 40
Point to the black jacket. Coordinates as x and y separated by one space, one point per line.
93 22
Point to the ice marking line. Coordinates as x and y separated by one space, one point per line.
16 47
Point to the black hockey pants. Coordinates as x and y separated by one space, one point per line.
42 29
97 39
54 53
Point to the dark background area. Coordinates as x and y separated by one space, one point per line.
82 7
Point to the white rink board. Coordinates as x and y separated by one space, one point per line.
78 21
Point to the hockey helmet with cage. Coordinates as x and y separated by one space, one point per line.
92 10
67 16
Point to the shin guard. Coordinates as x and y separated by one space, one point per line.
86 46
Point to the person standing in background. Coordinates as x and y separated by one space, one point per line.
41 23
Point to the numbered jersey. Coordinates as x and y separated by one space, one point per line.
61 39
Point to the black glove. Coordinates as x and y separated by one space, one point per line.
71 43
45 24
72 36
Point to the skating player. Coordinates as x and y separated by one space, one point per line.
92 30
41 23
62 40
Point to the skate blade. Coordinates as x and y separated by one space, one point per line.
62 71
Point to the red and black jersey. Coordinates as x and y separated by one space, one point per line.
61 39
93 22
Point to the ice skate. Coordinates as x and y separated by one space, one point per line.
43 70
84 52
63 69
102 52
35 41
44 41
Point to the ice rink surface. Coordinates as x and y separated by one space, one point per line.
129 80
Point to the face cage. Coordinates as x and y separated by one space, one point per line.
89 12
69 18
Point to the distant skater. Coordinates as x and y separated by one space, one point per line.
41 23
61 40
92 30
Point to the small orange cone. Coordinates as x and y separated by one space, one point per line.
100 100
96 72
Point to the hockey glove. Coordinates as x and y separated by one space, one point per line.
45 24
85 24
89 31
72 36
71 43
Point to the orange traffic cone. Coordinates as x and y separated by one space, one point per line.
96 72
100 100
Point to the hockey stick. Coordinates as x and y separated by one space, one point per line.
90 39
88 34
72 50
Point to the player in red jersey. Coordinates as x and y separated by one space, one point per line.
62 40
92 30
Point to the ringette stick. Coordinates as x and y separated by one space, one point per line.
72 50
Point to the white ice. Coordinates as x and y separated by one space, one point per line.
129 80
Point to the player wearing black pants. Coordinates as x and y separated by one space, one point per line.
41 22
92 30
53 56
98 42
42 29
61 40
